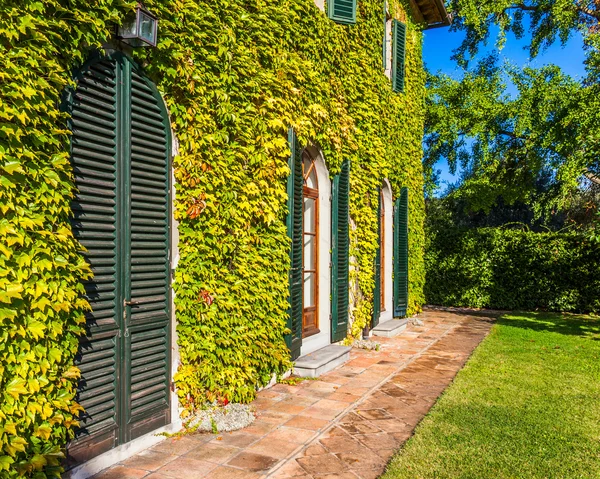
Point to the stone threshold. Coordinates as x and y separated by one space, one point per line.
391 328
321 361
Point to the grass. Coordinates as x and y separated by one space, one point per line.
526 405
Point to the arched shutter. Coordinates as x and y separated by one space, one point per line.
121 216
294 228
342 11
399 55
401 254
377 290
93 109
340 252
148 315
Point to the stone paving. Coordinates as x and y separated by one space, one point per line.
345 425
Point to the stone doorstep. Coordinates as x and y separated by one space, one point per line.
323 360
391 328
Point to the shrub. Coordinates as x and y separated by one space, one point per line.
508 269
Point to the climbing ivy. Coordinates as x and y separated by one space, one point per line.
235 74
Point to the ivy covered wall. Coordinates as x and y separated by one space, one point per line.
235 74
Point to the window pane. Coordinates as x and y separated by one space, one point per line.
311 181
310 215
310 252
309 290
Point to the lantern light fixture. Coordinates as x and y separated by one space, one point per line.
139 29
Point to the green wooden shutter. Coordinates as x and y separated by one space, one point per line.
342 11
93 108
377 289
340 254
401 254
399 55
121 214
148 317
294 227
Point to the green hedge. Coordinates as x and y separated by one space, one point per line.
507 269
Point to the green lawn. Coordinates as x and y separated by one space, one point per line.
526 405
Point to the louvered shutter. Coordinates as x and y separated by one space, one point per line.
340 253
147 341
377 290
120 158
93 109
401 254
342 11
295 230
399 55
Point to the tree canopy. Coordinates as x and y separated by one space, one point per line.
521 134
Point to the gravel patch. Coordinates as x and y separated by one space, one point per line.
366 344
222 418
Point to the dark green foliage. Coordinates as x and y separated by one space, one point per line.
507 269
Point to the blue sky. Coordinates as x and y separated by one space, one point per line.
439 44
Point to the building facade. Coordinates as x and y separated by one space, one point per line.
183 221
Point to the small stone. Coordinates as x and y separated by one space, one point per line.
228 418
366 344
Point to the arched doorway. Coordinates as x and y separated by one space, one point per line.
383 308
120 152
310 256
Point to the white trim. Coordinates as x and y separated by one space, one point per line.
320 5
388 47
388 244
322 339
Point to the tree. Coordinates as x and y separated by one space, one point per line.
549 130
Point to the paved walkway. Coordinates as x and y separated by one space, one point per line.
345 425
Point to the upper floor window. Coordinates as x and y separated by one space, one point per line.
342 11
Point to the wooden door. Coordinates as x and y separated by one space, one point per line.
121 216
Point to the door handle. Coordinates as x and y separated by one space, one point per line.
137 302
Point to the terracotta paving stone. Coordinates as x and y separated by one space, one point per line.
378 441
149 460
323 464
360 428
237 439
346 425
273 447
374 414
287 408
187 468
331 405
345 475
321 413
260 427
224 472
122 472
176 445
337 444
292 434
213 453
315 450
307 422
291 469
344 397
275 417
252 461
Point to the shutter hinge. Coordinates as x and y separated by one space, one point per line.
172 386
